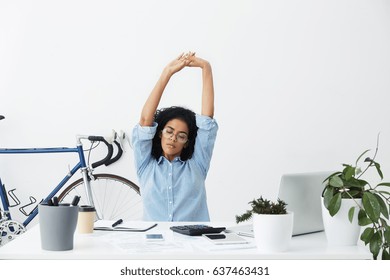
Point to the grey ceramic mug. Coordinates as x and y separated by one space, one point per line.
57 225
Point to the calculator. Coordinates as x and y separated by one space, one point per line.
196 230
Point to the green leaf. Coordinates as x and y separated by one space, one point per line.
349 172
334 204
375 245
367 235
336 182
358 183
244 217
386 254
368 159
328 194
331 175
361 156
384 223
350 213
383 206
378 168
371 206
354 193
363 219
384 192
383 184
387 234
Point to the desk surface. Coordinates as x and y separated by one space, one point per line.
126 245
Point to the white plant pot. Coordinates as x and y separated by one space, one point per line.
339 230
273 232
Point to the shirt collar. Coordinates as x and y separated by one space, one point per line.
160 160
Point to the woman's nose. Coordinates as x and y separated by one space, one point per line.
173 137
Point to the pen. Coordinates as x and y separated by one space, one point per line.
50 202
76 200
117 223
55 201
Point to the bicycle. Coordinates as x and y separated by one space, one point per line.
112 196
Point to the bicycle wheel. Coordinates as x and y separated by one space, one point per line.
114 197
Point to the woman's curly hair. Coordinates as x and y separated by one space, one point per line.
164 115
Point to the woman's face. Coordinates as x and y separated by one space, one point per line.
174 137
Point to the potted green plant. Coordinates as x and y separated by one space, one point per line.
272 224
370 203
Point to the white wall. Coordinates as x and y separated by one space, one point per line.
300 85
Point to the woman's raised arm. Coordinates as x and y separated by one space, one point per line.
151 104
208 85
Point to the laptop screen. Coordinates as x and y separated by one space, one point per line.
302 193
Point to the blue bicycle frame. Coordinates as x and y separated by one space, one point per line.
80 165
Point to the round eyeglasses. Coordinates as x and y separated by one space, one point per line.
181 137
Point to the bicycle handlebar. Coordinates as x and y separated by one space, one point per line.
109 159
118 155
109 152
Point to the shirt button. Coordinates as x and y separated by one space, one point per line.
170 187
170 174
170 202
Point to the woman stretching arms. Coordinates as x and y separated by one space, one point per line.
173 148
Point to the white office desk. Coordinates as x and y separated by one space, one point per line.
126 245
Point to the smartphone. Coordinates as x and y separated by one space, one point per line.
225 238
154 237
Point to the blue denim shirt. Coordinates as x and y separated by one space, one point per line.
174 191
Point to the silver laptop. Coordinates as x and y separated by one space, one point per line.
302 193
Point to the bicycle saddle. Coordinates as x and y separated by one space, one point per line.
1 117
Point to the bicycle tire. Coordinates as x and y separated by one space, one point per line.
114 197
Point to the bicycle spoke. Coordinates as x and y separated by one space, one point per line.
114 197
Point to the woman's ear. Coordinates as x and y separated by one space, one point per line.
160 134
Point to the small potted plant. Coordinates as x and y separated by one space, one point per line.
369 205
272 224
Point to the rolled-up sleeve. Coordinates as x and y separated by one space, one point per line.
205 140
142 141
